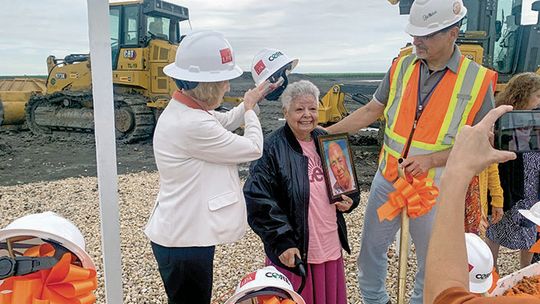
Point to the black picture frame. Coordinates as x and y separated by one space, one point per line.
338 185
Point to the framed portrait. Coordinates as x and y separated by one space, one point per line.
338 165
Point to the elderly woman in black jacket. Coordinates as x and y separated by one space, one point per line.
288 202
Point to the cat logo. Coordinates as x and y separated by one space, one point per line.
130 54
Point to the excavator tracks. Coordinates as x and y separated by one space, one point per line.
68 113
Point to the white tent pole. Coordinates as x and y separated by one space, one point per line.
102 88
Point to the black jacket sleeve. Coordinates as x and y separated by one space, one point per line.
265 216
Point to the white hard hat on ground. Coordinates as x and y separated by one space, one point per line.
533 214
204 56
480 264
429 16
267 277
49 227
267 62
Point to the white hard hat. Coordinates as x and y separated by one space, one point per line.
267 62
430 16
204 56
533 214
263 278
53 228
480 264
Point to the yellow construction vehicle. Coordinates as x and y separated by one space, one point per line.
332 105
14 93
144 37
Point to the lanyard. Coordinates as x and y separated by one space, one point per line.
419 109
422 102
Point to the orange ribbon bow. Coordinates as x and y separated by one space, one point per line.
64 283
419 197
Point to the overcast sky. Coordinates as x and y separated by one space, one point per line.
327 36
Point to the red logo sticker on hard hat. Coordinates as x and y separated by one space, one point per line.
248 278
457 7
259 67
226 55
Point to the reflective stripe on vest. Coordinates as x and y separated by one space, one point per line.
455 102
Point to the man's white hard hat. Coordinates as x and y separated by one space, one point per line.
429 16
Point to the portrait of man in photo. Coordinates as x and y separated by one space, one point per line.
339 163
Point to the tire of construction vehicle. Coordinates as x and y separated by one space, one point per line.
134 120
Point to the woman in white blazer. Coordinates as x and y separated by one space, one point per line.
200 202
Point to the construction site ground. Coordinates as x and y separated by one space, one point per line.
26 158
38 174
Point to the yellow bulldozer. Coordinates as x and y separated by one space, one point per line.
144 37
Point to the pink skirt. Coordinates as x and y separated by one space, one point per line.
325 283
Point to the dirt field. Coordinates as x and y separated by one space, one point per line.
25 158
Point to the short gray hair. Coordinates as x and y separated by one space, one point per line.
297 89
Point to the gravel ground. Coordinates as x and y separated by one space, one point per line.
77 199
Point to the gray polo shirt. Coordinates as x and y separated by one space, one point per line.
429 79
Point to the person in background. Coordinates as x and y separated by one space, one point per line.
200 202
491 184
425 98
447 274
289 206
520 179
476 201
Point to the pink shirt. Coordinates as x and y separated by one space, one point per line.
324 242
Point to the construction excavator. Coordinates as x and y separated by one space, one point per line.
144 37
494 34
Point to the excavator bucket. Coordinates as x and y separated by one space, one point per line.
14 94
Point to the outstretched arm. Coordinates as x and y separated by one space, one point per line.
446 264
359 119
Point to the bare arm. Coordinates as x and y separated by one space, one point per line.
439 159
359 119
446 264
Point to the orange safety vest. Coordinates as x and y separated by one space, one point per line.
454 103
